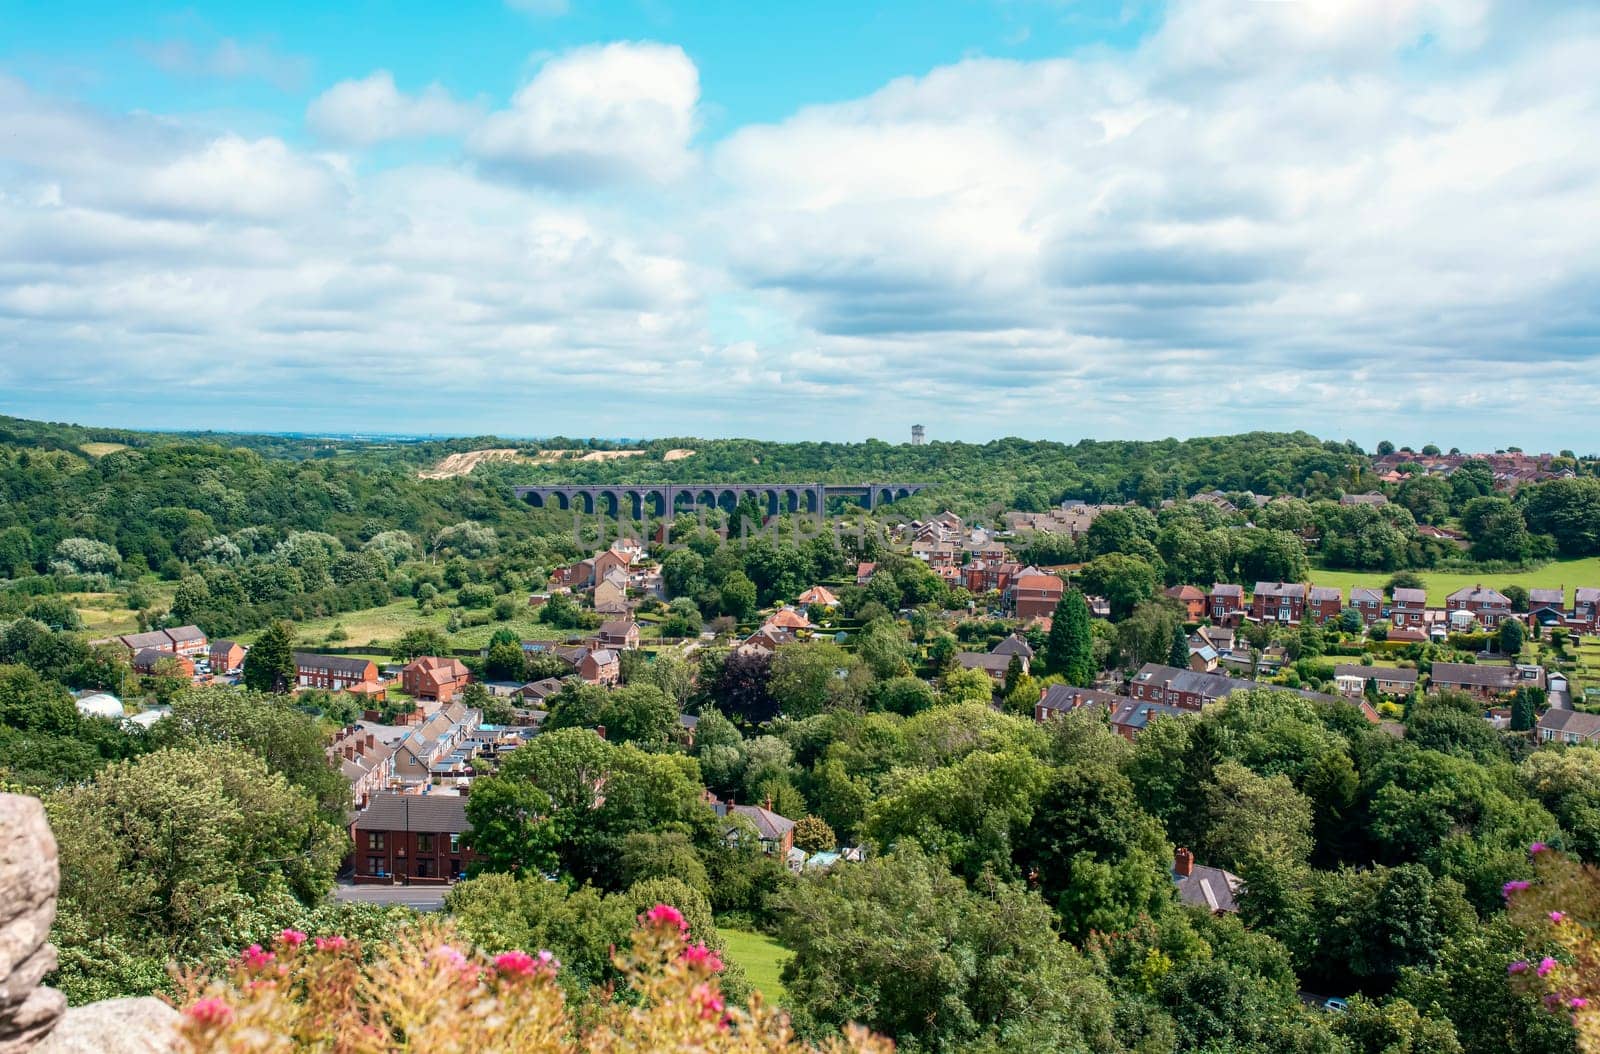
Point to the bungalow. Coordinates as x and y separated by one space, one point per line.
1351 679
819 595
864 572
990 663
1568 726
1226 603
621 634
1485 682
1035 593
1409 608
225 656
1326 604
1200 886
535 692
1133 716
1193 599
1283 602
411 839
776 832
1367 601
1014 645
334 673
1060 699
1488 606
430 677
1369 498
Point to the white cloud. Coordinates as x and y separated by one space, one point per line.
624 111
372 110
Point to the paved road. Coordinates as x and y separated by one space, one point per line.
422 898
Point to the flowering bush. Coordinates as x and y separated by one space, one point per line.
426 992
1561 905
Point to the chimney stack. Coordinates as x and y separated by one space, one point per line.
767 803
600 730
1183 863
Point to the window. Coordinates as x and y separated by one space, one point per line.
424 843
455 843
374 839
425 868
374 865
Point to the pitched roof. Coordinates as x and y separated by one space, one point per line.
1068 697
1205 685
1209 887
819 595
983 660
1571 722
1411 596
1375 673
1013 645
769 824
1227 589
1185 592
617 627
1366 594
1327 593
177 633
1281 589
343 665
1587 595
1479 595
788 618
1137 714
425 813
153 639
1547 596
1469 673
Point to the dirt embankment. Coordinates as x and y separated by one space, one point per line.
462 464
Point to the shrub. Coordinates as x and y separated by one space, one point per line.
423 991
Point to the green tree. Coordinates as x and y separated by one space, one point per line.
1125 581
269 664
511 827
1178 655
809 679
813 834
1512 636
1069 648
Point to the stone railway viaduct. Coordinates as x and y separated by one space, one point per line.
665 500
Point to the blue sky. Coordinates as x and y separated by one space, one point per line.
1036 217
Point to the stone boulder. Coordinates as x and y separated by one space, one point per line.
116 1026
29 879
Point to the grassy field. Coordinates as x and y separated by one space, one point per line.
382 626
760 957
101 449
1557 573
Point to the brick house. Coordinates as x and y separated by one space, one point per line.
1060 699
1351 679
1409 608
1485 682
430 677
187 640
611 595
1282 602
1185 689
1549 603
410 839
149 660
1489 606
225 656
1568 726
1035 593
1225 603
334 673
1193 599
180 640
1586 609
600 666
1132 716
990 663
621 634
776 832
1368 601
1325 604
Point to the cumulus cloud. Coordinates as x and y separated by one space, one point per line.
372 110
614 112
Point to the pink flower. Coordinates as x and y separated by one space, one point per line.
701 957
549 962
1557 916
708 1000
255 958
516 964
1545 966
665 916
1517 967
1536 848
451 958
1516 885
332 944
211 1012
1578 1002
293 938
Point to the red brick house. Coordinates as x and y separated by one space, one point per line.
430 677
225 656
622 634
149 661
180 640
334 673
1184 689
1409 608
1282 602
1485 682
1489 606
1367 601
1549 603
776 832
1586 609
1035 594
410 839
600 666
1061 699
1225 603
1193 599
1325 603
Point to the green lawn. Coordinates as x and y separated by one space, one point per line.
760 957
1556 574
381 626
